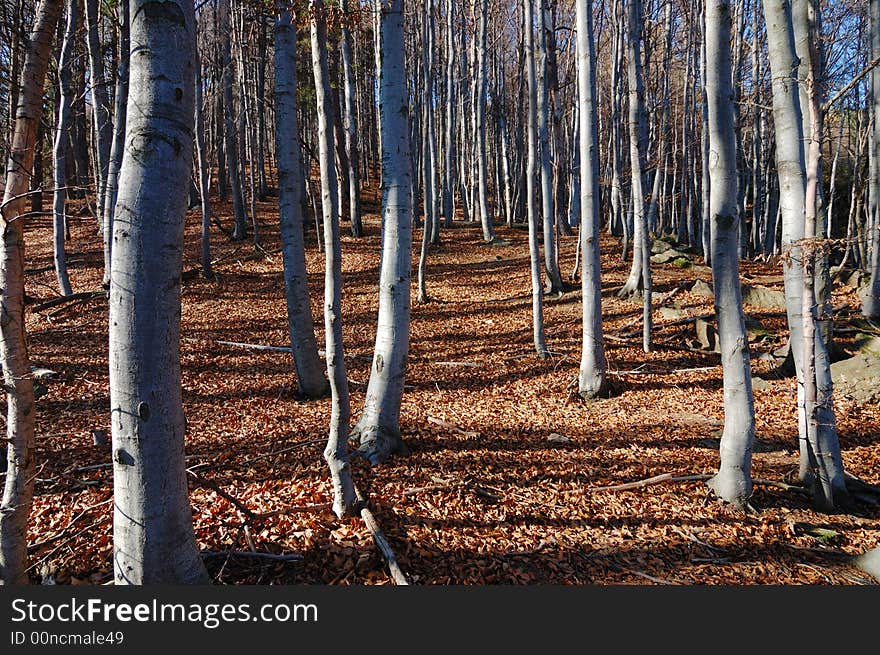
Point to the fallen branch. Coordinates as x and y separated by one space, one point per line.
657 479
465 364
66 528
256 346
299 444
257 555
381 542
60 300
213 486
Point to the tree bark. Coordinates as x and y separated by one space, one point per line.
153 540
18 489
379 425
61 147
591 376
733 481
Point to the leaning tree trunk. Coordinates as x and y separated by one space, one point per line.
309 370
733 481
59 151
153 539
591 377
118 145
379 425
336 452
822 448
18 490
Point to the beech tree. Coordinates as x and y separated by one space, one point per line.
379 425
309 370
18 489
733 481
153 540
591 378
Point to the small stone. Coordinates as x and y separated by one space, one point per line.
760 384
702 289
558 438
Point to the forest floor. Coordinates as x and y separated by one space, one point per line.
485 496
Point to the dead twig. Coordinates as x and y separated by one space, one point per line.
381 542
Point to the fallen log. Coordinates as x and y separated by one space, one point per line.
381 542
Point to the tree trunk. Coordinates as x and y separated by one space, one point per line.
118 145
531 193
309 370
591 377
61 147
733 481
336 452
350 124
791 167
153 540
103 125
871 304
18 489
379 425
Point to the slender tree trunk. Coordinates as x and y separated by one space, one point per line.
871 303
350 124
230 146
153 540
591 376
336 452
204 178
309 370
18 489
118 145
103 125
531 193
791 166
59 152
379 425
733 481
548 201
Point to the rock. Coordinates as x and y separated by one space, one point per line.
763 297
870 563
42 373
869 344
706 335
854 279
864 291
858 378
754 330
702 289
681 262
558 438
658 246
669 255
760 384
671 313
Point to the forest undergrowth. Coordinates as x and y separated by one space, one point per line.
507 477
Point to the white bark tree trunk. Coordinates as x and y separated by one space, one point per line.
871 304
791 166
18 489
60 148
733 481
153 540
379 424
118 146
531 193
336 453
309 369
591 377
